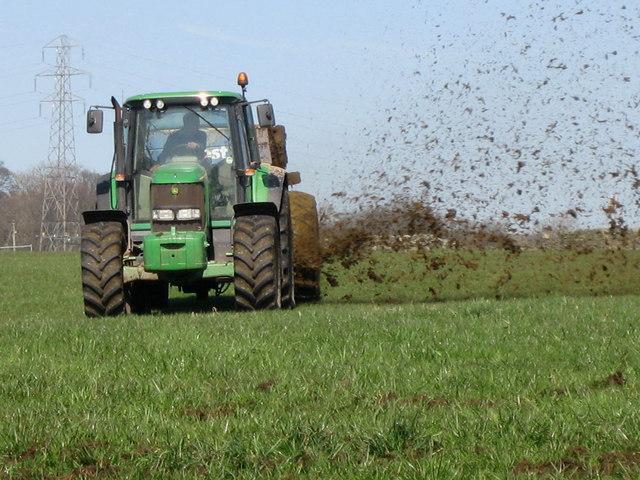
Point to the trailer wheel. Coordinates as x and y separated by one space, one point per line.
286 248
306 246
101 248
256 259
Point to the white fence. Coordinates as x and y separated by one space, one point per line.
18 247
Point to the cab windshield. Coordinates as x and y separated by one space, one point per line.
182 131
185 134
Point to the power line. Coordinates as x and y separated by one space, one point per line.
207 74
341 131
15 68
26 71
204 73
12 122
18 45
161 62
23 127
142 77
19 94
22 102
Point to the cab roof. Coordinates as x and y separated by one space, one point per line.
231 96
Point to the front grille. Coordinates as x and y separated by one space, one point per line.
174 197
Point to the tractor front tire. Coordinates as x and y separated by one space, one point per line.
256 259
306 246
101 249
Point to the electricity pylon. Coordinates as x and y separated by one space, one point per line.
60 224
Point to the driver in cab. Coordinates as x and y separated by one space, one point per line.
189 140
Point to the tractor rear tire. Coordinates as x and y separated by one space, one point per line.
256 259
286 257
101 248
307 254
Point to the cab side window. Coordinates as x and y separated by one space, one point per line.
244 143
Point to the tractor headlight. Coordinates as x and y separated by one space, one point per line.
188 214
159 104
147 104
213 101
163 215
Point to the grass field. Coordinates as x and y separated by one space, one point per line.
403 371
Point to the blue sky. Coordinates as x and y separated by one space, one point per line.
412 88
310 60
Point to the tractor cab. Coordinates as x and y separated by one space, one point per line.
190 170
205 134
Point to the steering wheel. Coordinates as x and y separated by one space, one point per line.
183 148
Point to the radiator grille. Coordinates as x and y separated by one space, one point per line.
174 197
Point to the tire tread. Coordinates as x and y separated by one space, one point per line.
101 248
256 262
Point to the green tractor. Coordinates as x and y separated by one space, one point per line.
197 197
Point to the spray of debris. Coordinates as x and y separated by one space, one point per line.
527 143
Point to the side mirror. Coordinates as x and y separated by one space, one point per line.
94 120
266 118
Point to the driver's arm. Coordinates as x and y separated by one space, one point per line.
169 145
200 138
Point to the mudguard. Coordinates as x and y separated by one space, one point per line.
275 182
95 216
256 208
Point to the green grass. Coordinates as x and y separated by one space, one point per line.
459 274
401 388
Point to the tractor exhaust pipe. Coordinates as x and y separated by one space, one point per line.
120 170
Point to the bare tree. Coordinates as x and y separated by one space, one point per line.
21 201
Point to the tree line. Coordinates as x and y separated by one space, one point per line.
21 196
